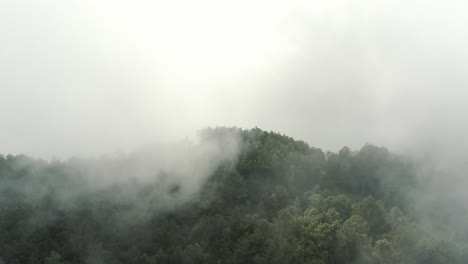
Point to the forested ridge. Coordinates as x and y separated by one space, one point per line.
279 201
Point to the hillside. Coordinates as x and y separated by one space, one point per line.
278 200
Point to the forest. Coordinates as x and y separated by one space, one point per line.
279 201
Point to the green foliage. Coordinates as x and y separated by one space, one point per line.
282 202
53 258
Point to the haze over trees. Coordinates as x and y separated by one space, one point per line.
272 199
371 97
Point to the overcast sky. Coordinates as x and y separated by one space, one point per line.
99 77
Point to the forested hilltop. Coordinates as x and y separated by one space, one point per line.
278 201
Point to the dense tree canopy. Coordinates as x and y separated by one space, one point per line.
281 201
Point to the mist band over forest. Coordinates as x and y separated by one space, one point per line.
248 131
235 196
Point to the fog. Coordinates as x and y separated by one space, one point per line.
147 182
115 93
80 78
86 79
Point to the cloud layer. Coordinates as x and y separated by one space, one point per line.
85 78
